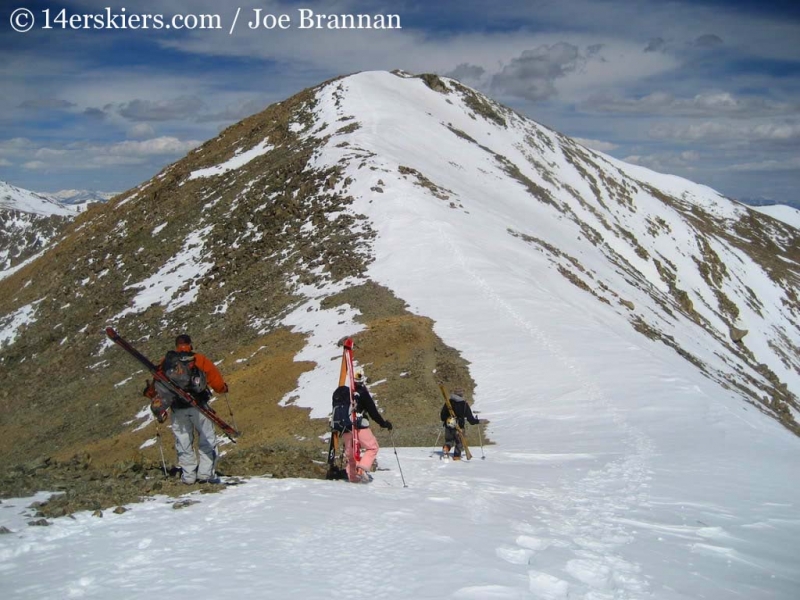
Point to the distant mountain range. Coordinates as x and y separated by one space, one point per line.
26 201
29 220
81 197
763 201
28 223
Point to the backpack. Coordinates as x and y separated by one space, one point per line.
182 370
340 417
158 406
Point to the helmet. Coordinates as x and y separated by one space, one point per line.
359 376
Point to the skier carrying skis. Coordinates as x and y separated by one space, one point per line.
194 373
462 413
358 472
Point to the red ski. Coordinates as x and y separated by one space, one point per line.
345 378
229 431
348 357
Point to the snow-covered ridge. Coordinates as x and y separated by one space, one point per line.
14 198
82 196
783 212
491 198
28 223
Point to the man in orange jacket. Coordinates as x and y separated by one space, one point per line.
201 374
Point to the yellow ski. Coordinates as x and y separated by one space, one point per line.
459 432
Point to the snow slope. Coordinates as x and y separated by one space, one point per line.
28 222
584 508
14 198
782 212
619 469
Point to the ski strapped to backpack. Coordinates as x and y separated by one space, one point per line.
343 414
348 355
182 370
459 432
160 377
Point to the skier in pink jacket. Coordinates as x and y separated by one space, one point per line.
358 471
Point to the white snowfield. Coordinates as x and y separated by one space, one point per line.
782 212
618 470
14 198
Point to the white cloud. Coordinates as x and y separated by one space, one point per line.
533 73
50 153
173 109
86 156
5 163
141 131
726 130
156 146
666 162
791 163
710 104
690 155
598 145
16 145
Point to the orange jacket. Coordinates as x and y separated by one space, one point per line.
213 376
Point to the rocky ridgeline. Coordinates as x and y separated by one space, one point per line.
77 484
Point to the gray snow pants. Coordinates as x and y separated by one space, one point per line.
184 423
451 439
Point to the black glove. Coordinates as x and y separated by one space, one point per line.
225 389
387 425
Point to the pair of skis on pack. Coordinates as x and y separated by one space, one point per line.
462 437
346 376
229 431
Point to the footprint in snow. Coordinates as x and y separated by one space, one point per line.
547 587
487 592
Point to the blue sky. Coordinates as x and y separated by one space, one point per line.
706 90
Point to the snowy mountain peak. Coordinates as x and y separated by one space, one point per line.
500 202
22 200
28 223
82 198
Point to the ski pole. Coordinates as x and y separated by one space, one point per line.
436 443
233 419
161 449
480 438
391 436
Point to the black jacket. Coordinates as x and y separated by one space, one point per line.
365 404
461 409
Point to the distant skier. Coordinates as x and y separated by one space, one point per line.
462 413
358 471
194 373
